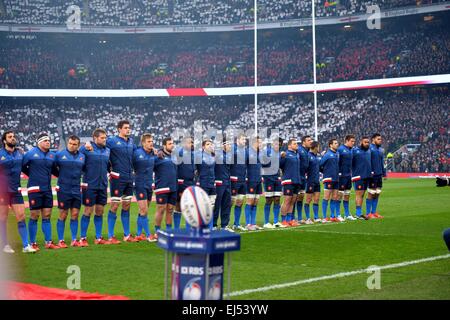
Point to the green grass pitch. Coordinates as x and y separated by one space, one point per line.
416 213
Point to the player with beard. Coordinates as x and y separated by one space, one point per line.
10 170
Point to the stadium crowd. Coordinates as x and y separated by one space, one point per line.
29 120
412 116
387 53
224 59
158 116
186 12
402 116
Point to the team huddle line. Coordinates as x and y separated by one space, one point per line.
235 173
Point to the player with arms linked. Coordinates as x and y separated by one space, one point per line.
39 165
94 186
165 184
70 165
291 180
329 166
378 172
313 184
144 159
361 173
345 176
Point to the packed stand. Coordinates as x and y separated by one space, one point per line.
413 116
223 59
28 121
182 12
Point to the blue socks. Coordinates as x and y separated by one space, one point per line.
111 223
283 218
168 226
266 213
299 210
32 230
316 211
276 212
338 207
332 209
22 228
3 236
145 225
211 224
142 224
374 205
125 217
248 214
84 224
289 217
60 226
74 228
324 208
47 229
176 219
253 215
346 208
157 228
358 211
368 206
307 211
139 224
98 223
237 215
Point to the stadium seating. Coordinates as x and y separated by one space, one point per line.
223 59
28 121
409 116
183 12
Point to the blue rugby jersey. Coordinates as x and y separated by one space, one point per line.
361 164
270 154
377 160
70 169
239 165
205 166
254 166
39 166
304 158
290 166
11 165
185 166
329 166
222 168
345 161
96 168
143 164
121 158
313 172
165 174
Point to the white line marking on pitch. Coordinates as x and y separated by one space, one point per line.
337 275
356 233
291 228
300 227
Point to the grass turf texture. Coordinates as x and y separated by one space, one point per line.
416 213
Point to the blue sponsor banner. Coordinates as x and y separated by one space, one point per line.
182 241
189 277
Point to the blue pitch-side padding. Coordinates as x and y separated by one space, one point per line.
187 241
